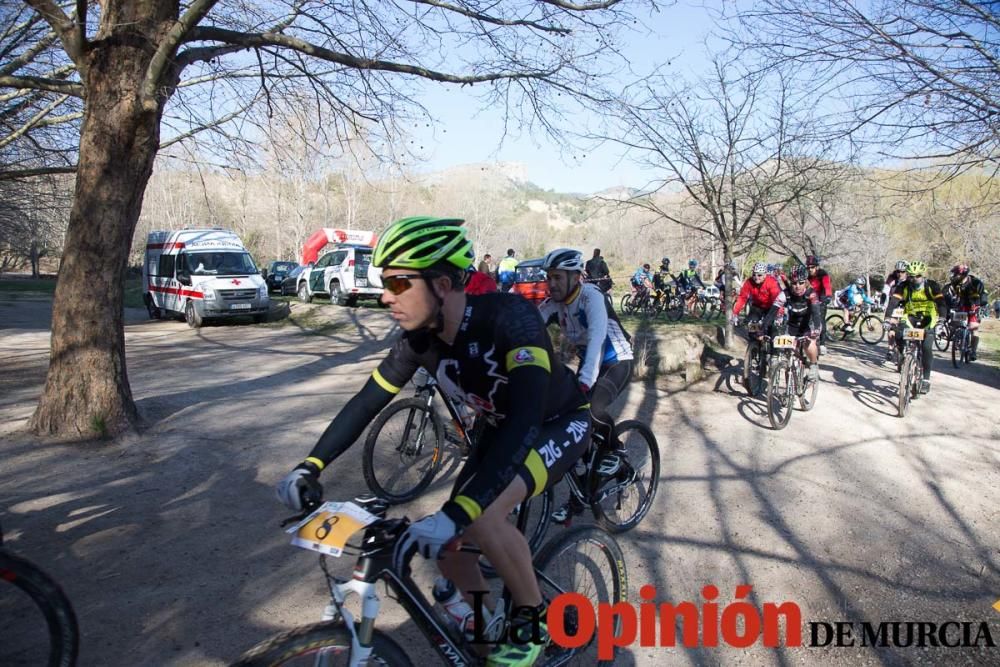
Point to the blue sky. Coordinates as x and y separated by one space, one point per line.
467 134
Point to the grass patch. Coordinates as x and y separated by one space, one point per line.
989 343
37 285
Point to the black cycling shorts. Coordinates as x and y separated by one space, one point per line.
561 443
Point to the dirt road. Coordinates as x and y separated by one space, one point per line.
167 542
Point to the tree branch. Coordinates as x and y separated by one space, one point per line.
63 26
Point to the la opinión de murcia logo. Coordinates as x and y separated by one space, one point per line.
739 624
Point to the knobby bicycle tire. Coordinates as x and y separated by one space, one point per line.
960 348
810 389
779 395
643 488
63 631
584 550
753 379
380 480
309 641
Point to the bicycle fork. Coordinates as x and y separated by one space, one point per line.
361 635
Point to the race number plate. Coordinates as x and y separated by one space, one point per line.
784 342
898 314
328 528
239 306
914 334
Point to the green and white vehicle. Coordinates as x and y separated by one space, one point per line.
344 274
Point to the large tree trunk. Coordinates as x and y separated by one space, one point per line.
87 391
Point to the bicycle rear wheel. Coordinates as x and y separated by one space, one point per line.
321 644
539 511
40 597
621 500
779 395
588 561
872 329
835 327
403 450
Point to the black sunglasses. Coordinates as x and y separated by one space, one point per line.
400 282
801 282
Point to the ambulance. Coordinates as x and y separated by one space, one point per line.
201 274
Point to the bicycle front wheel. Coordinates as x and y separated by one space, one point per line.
753 377
779 395
327 644
588 561
872 330
835 327
905 382
626 304
942 338
21 643
620 501
960 348
403 450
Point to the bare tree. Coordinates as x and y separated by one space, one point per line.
731 148
148 72
919 77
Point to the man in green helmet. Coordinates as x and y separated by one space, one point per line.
923 303
492 353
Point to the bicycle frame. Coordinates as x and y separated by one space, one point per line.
375 564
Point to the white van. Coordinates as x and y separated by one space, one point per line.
201 274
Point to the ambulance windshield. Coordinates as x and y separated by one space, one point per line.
221 263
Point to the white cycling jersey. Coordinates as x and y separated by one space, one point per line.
588 320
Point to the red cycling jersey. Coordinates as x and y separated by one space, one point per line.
480 283
760 296
821 284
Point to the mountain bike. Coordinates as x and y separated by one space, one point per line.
866 323
636 302
399 465
584 560
755 361
961 339
48 604
710 299
911 367
786 380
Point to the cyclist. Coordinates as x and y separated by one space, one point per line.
853 297
588 320
923 303
805 316
492 353
688 281
971 296
642 282
506 270
763 293
662 278
819 280
896 277
779 274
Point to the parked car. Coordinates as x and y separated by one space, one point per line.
344 274
529 280
290 283
275 273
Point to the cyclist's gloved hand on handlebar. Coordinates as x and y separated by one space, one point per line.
585 389
300 489
428 537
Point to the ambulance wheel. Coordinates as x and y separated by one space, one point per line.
154 312
191 315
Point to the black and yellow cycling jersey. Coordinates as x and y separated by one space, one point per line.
926 302
502 366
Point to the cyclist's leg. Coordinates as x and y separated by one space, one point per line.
611 381
974 330
560 443
928 354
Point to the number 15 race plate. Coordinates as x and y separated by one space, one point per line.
328 528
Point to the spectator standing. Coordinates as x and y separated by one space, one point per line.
505 272
597 271
486 265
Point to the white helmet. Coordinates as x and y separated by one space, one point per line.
566 259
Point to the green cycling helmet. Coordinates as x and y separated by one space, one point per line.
420 242
916 268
